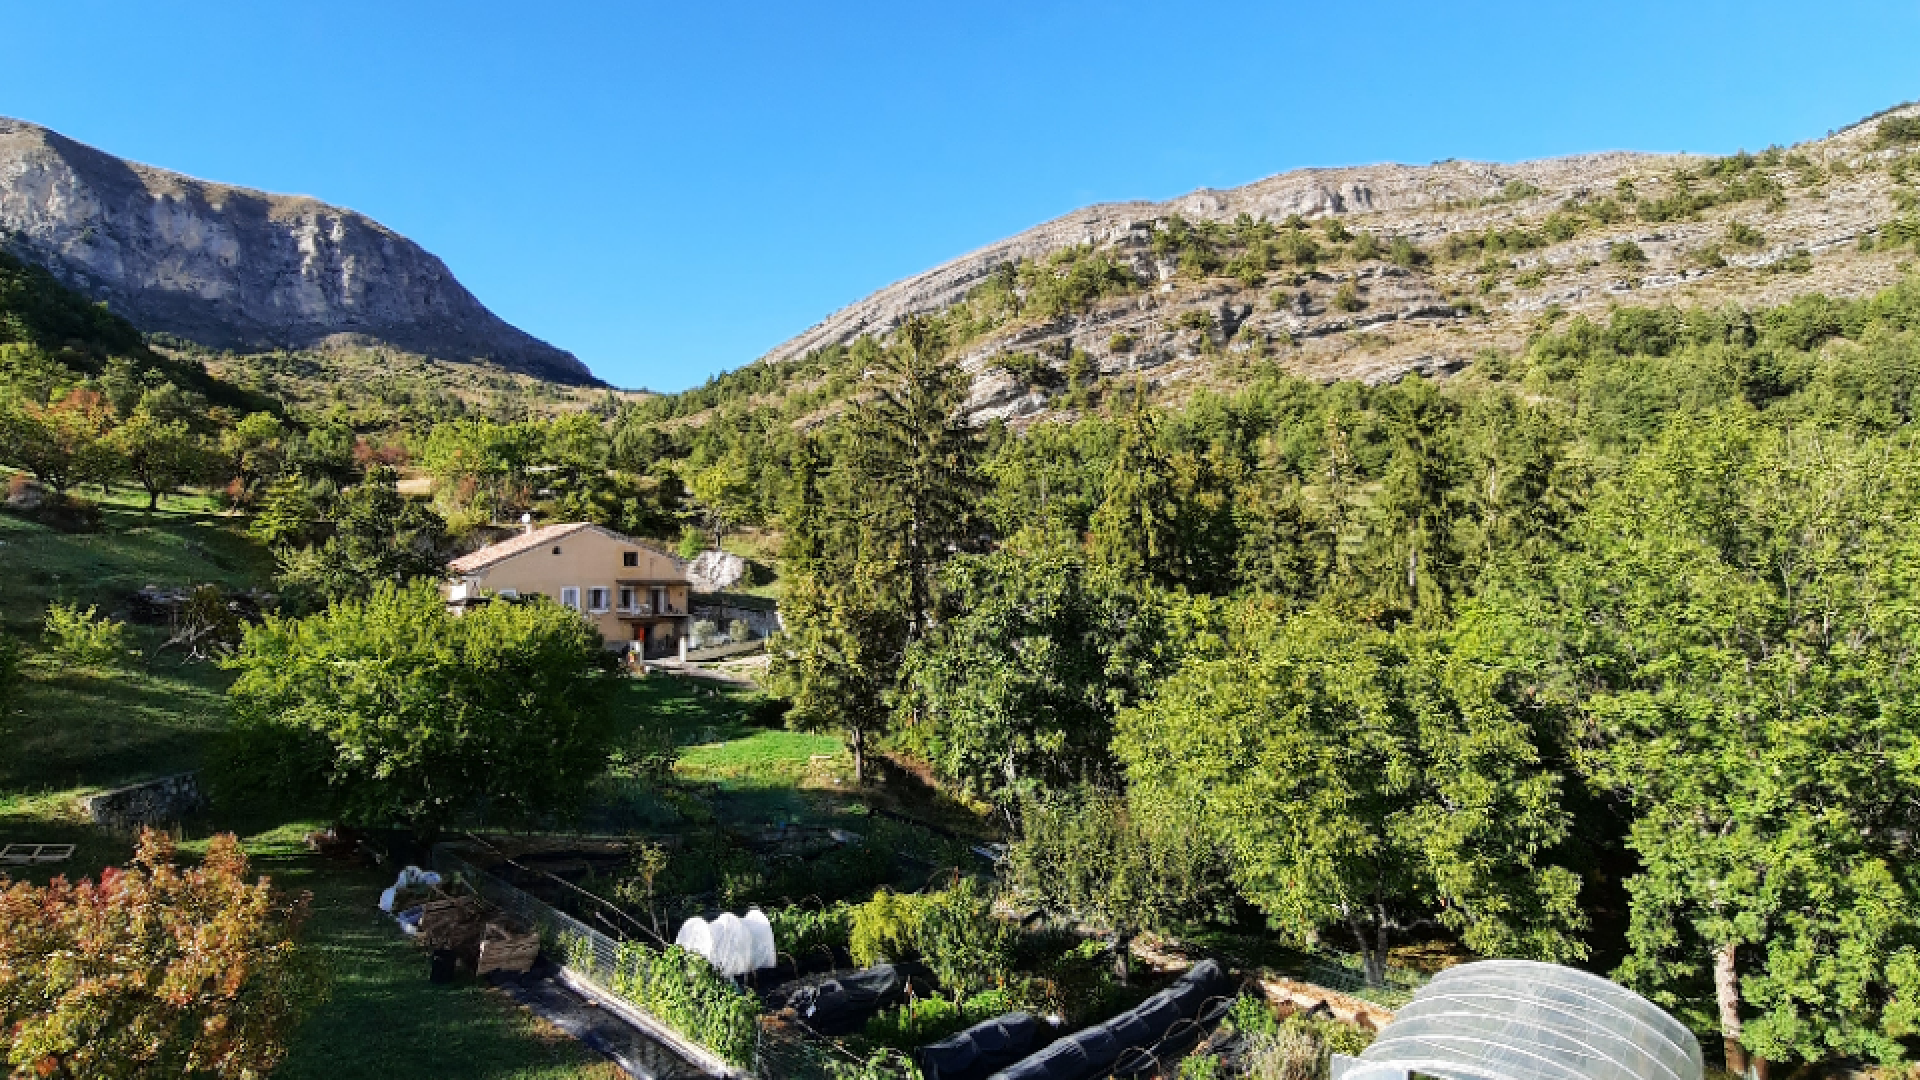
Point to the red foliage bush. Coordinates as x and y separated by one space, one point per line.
153 971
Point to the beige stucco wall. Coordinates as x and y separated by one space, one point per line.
589 559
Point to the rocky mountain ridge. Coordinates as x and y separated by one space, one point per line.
1419 268
233 268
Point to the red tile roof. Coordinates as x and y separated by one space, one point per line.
506 549
546 534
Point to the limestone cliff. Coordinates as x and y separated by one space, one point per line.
1418 268
239 269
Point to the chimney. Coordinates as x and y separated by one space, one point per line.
526 524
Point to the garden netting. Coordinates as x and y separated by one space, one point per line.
735 946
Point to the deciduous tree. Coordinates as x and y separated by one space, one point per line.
1130 868
1735 627
379 536
161 455
390 709
1366 783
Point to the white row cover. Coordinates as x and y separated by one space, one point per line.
733 944
1523 1020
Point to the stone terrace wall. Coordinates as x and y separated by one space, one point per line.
156 802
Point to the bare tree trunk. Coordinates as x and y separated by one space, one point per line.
1372 955
1726 987
859 756
1123 953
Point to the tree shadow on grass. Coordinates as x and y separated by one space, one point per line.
72 729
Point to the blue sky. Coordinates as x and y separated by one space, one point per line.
669 191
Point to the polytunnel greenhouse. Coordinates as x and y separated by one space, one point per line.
1522 1020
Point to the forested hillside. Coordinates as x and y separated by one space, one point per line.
1595 647
1596 652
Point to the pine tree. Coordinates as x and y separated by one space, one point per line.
922 462
1136 530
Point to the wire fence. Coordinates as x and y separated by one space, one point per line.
596 957
590 955
553 925
780 1053
1346 973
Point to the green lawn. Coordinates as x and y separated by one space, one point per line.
386 1020
67 733
186 542
764 753
68 728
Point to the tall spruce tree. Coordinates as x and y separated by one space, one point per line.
921 461
866 539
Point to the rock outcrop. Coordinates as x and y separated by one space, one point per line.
715 571
1488 254
233 268
1311 193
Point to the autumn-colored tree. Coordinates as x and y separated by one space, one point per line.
153 971
61 444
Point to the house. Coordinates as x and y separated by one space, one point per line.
633 593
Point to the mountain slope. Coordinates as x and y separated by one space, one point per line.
233 268
1375 271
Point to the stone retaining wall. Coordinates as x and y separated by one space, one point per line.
156 802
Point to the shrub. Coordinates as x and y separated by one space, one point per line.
1120 342
917 1022
1347 297
738 630
1297 248
1073 978
968 948
692 541
1302 1048
926 1020
1366 246
84 638
1200 1067
1742 235
1709 257
883 928
1251 1015
1030 370
1402 253
1627 253
1199 319
799 931
1798 262
684 992
153 971
1895 130
882 1064
954 932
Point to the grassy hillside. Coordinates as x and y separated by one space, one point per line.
70 732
